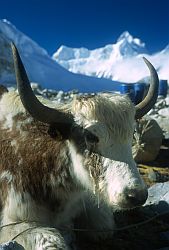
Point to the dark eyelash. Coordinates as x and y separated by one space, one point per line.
91 137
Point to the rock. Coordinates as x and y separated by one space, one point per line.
164 248
35 86
164 112
11 245
167 100
163 123
152 175
165 236
161 103
161 114
158 195
147 140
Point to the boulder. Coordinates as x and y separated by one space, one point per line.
147 140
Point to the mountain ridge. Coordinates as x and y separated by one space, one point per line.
40 67
88 74
110 61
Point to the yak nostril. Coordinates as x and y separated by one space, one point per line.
132 199
136 197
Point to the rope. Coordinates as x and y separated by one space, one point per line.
24 231
88 230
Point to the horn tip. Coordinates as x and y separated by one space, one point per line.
148 63
14 49
13 45
145 60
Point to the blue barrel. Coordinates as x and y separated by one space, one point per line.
139 89
163 88
128 88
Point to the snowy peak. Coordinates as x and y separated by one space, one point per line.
40 67
114 61
130 46
26 46
165 50
100 62
120 61
66 53
126 46
20 39
127 37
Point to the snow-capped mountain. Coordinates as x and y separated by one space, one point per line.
126 46
120 61
40 66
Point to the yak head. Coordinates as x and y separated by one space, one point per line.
98 129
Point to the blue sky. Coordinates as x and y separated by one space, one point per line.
89 23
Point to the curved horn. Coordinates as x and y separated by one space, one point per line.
30 101
148 102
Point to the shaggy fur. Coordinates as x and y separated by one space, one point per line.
44 180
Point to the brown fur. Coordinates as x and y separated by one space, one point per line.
32 166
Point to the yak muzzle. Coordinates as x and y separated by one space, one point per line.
132 198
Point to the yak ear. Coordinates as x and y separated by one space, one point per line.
31 103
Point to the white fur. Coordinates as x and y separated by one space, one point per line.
120 176
111 119
9 107
81 174
6 175
34 237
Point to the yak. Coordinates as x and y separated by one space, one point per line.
57 161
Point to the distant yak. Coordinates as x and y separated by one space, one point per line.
57 159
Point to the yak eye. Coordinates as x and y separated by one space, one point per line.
91 138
